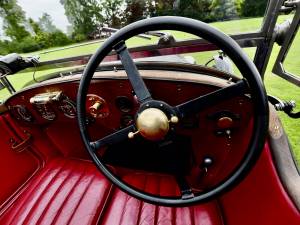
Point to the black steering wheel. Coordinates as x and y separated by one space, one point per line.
155 117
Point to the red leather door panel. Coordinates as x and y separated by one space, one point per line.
15 167
260 198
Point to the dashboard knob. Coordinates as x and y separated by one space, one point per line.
225 122
174 119
94 108
207 161
132 134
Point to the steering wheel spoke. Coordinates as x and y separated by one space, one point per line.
185 189
113 138
133 74
195 105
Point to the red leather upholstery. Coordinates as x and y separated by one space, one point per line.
126 210
15 167
65 192
74 192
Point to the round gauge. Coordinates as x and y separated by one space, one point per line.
68 108
126 120
124 104
22 113
46 111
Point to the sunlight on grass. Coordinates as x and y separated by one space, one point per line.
292 61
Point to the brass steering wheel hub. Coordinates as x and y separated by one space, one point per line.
152 124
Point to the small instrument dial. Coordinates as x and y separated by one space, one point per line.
46 111
21 113
124 104
68 107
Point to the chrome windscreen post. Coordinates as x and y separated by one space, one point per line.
6 83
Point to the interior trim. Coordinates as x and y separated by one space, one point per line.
283 158
174 76
3 108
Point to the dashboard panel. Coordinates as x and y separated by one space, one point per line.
216 136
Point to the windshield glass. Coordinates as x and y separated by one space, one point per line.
61 29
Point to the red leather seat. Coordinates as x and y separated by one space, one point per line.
74 192
65 192
126 210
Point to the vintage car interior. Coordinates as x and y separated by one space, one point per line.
149 142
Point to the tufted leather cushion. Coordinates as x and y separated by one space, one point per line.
74 192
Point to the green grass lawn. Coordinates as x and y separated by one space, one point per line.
274 85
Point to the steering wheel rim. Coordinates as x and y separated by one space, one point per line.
244 64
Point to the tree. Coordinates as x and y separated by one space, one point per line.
84 15
224 9
34 26
136 10
238 5
197 9
112 12
13 20
165 7
46 24
254 8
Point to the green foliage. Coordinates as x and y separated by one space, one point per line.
238 5
46 40
4 47
204 10
79 37
46 25
13 19
211 10
45 34
28 44
134 11
84 15
112 12
35 26
43 39
223 9
252 8
197 9
137 10
164 7
87 16
58 38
